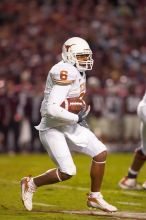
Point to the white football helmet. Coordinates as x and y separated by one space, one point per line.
74 48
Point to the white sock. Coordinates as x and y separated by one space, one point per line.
133 171
95 194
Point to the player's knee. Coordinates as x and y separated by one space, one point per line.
64 176
70 170
101 157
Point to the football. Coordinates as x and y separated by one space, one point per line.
73 105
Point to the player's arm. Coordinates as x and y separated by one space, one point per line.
62 77
57 96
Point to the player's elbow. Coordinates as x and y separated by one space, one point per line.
54 110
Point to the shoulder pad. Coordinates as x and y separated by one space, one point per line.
63 73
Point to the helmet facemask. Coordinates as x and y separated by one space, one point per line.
84 61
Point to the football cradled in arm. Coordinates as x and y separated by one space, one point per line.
73 105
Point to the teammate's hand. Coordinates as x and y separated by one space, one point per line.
83 113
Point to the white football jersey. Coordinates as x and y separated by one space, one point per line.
71 83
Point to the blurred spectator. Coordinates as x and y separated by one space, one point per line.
13 116
25 92
35 104
131 122
95 98
3 116
113 111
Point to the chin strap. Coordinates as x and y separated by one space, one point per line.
99 162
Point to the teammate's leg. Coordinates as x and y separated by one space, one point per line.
130 181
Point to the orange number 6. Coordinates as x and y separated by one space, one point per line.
63 75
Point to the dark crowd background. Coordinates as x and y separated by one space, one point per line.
32 33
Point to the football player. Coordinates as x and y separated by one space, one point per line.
130 181
62 129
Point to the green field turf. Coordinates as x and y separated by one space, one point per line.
68 195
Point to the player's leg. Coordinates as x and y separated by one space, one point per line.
130 181
56 146
98 151
97 171
88 143
140 154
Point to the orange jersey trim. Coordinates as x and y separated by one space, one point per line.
62 82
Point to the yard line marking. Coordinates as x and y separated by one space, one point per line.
9 181
54 186
42 204
70 187
116 215
133 193
129 203
110 191
59 186
119 202
122 214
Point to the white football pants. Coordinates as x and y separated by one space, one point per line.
59 142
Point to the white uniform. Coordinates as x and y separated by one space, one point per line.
141 111
59 131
